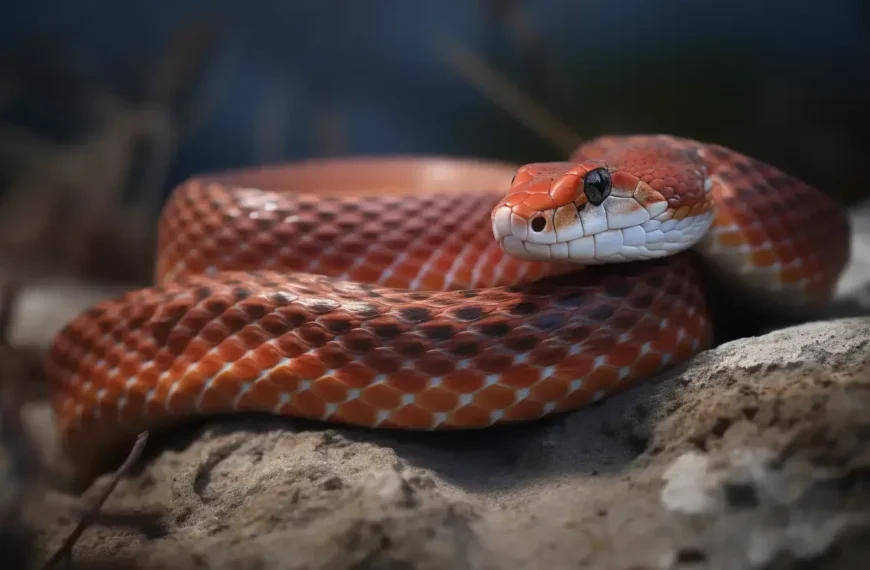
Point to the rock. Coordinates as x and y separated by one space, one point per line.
855 278
45 306
853 290
754 455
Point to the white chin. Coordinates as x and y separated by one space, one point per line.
649 240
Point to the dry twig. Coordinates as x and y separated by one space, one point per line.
509 97
64 209
65 550
8 296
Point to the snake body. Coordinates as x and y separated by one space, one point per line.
438 293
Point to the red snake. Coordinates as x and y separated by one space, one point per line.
438 293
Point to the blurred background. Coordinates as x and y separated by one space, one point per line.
105 106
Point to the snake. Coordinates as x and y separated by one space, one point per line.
437 292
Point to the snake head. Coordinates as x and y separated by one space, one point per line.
590 213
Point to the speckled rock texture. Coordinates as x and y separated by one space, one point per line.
755 455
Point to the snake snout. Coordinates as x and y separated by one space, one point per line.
536 228
501 222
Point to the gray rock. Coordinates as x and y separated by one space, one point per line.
853 290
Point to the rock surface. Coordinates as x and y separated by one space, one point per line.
753 455
756 454
853 290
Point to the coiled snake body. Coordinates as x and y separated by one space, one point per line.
435 293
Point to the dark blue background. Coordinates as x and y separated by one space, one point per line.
782 80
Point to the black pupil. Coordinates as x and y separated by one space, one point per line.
596 186
538 224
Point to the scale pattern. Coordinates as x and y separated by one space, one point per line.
426 241
399 311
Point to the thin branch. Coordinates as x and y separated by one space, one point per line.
65 551
184 55
8 297
509 97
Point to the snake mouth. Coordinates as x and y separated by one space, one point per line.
619 230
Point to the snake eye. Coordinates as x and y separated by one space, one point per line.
596 186
538 224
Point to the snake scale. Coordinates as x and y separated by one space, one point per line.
427 293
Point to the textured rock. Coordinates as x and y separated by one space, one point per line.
855 278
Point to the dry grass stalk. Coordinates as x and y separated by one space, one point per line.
65 208
508 96
65 550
